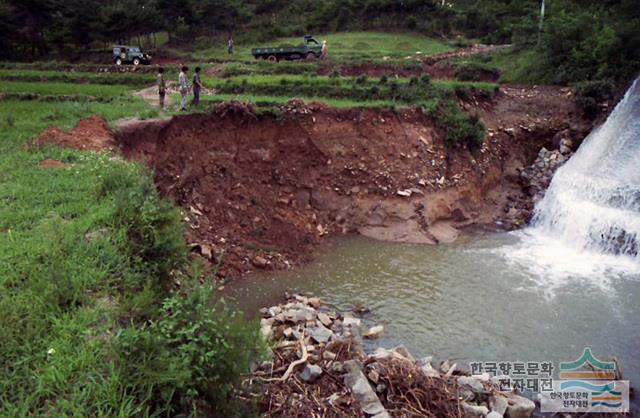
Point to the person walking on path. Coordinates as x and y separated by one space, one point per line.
162 87
197 86
184 87
230 45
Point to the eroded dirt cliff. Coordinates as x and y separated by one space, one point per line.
262 192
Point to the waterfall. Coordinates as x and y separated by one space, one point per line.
593 202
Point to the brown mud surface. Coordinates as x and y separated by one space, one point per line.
264 192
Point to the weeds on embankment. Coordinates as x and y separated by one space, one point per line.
94 321
437 98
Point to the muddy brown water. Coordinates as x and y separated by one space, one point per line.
467 301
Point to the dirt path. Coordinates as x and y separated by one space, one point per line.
150 95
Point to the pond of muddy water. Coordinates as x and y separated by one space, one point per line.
484 298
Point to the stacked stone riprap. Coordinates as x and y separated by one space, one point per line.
538 176
319 368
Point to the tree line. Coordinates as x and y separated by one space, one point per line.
581 39
37 28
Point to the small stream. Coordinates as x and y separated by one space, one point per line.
479 299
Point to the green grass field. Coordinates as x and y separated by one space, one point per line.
56 88
514 66
342 46
76 77
57 306
270 101
77 291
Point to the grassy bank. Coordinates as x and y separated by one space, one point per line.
76 77
55 88
437 98
94 321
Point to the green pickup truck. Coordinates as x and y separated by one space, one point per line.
123 54
310 49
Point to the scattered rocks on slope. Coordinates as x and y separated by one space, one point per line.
319 368
538 176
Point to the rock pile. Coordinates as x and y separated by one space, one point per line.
537 177
298 106
319 368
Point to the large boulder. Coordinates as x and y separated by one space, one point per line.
311 373
519 406
374 332
301 314
320 334
473 410
362 391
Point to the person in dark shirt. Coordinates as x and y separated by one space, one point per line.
230 45
162 87
197 86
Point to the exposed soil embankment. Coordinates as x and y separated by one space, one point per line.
262 191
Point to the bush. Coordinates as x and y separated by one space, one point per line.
10 120
194 351
362 79
152 227
457 126
473 71
589 94
599 90
412 23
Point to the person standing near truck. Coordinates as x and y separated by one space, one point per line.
162 87
184 87
323 54
197 86
230 45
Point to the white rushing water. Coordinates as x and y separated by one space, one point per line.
589 220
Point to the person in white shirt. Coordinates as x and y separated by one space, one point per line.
183 82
